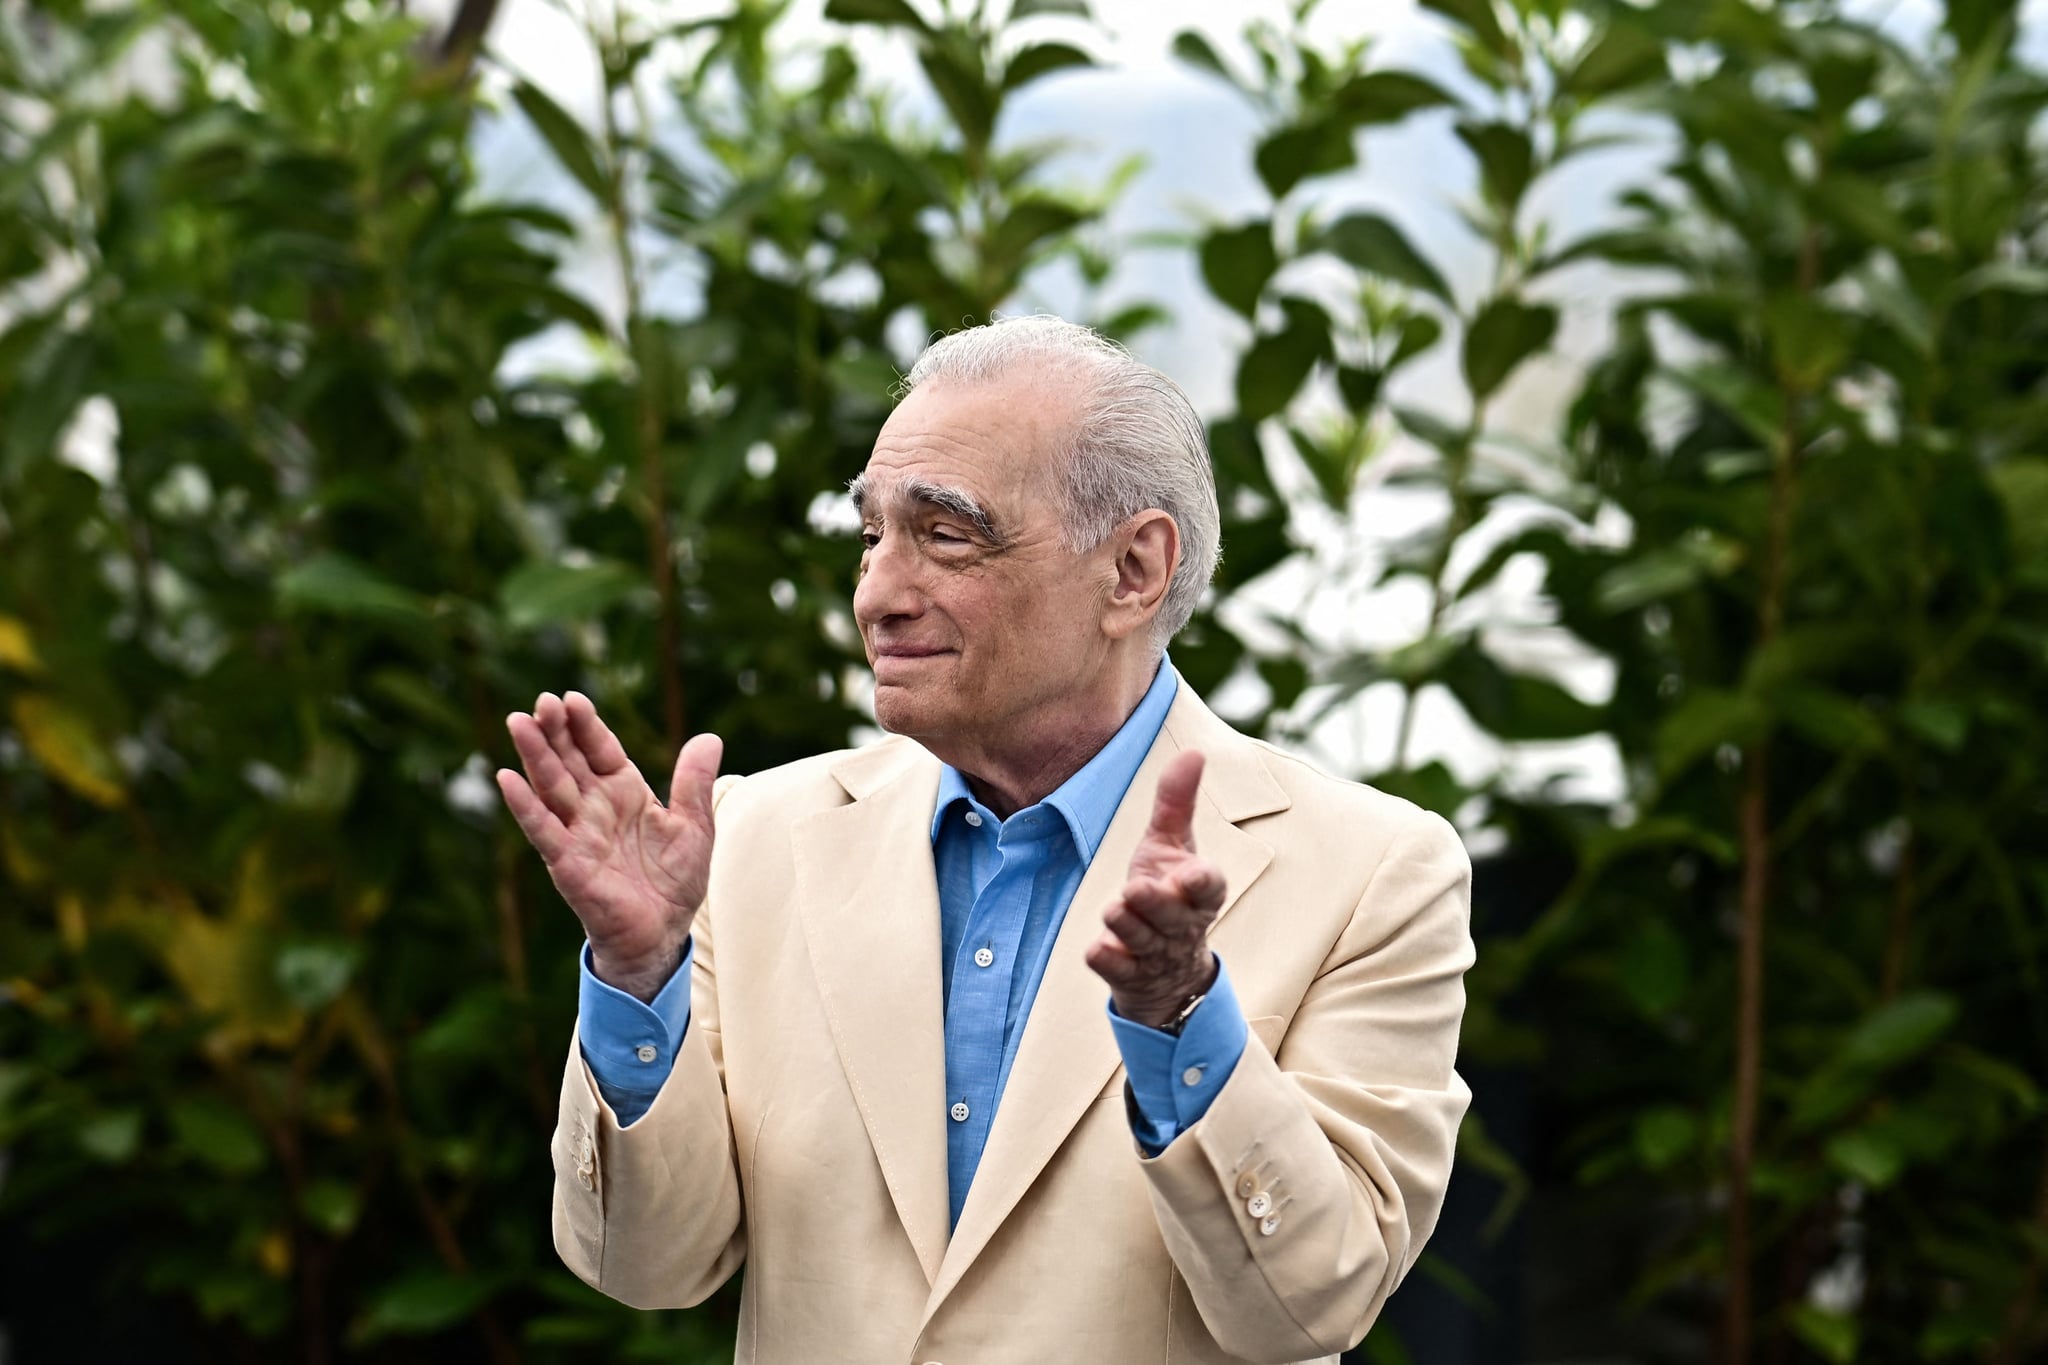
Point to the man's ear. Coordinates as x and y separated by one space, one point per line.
1147 552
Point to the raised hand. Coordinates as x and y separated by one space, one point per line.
1154 949
632 869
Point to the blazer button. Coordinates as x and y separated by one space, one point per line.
1269 1225
1259 1205
586 1180
1247 1185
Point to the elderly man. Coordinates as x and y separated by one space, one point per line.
1062 1024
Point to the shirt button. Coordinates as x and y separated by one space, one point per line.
974 819
1192 1076
1269 1225
645 1052
983 957
959 1111
1259 1205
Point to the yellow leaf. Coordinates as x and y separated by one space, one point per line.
71 921
17 650
22 865
274 1254
64 743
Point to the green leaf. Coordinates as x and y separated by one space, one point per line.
313 974
1901 1030
1505 333
1237 262
217 1134
543 592
897 13
1028 223
1042 60
1753 403
421 1303
963 88
565 137
1419 332
1654 968
1665 571
1623 55
112 1137
1703 722
339 586
1376 246
1025 9
1300 151
1432 786
1665 1135
1867 1155
1277 364
1515 706
1808 343
1386 97
1942 724
331 1205
1833 1335
1192 48
1505 160
1478 18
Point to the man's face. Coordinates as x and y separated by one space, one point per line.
978 623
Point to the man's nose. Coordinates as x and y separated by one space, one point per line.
887 585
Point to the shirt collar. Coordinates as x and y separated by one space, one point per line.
1087 801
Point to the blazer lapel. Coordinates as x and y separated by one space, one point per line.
869 901
1068 1052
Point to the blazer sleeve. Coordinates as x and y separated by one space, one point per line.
650 1214
1297 1203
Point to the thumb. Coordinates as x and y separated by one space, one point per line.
696 773
1173 808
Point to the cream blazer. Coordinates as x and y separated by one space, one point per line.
802 1130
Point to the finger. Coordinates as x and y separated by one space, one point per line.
1200 884
696 775
600 747
1158 907
1132 930
1109 959
1173 808
535 820
551 781
554 723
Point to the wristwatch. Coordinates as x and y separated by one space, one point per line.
1180 1021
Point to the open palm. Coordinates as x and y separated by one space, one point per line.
632 869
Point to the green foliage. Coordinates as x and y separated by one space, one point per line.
1794 983
283 989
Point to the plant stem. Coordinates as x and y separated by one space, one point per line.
1754 829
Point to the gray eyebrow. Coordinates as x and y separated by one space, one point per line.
954 501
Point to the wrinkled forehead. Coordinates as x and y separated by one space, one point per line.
997 441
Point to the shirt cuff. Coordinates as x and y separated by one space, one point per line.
631 1044
1174 1080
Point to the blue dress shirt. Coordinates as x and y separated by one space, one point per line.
1004 887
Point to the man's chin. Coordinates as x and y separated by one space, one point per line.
912 711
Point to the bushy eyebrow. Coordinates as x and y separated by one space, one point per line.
956 502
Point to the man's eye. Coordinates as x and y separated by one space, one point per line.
871 538
947 537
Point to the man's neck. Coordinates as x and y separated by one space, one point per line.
1032 761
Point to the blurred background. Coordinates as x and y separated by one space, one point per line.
1632 428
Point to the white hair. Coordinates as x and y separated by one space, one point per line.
1138 443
